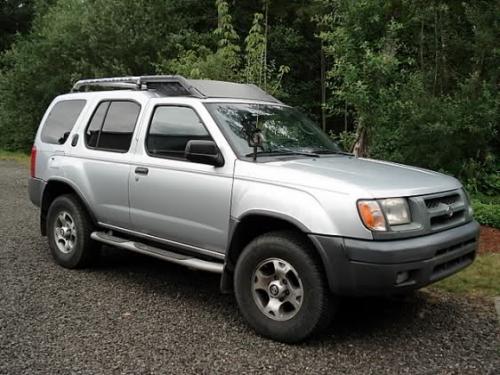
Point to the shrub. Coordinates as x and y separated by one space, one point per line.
487 213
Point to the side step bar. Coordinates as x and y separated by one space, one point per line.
169 256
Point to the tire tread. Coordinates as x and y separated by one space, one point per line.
87 254
297 241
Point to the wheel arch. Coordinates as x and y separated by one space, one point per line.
251 225
54 188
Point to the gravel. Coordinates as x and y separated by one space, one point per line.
133 314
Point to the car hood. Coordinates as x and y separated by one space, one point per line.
351 175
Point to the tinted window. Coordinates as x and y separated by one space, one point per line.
112 125
119 126
92 132
171 129
60 121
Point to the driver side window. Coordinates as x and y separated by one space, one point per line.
171 128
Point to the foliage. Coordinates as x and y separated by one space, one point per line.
420 79
227 36
255 49
15 17
486 204
344 139
28 83
487 213
480 278
73 39
229 61
482 179
202 62
409 81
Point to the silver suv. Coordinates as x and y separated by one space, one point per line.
224 178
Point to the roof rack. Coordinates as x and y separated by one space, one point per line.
171 85
175 85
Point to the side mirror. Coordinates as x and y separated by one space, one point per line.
205 152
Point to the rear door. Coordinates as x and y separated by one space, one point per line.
100 164
175 199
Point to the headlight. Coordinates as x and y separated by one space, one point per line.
371 215
396 210
372 212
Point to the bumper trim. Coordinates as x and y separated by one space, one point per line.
410 249
359 267
35 190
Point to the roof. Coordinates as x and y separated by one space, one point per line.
174 85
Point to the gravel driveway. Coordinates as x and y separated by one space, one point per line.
133 314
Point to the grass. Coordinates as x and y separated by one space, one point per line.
482 277
20 157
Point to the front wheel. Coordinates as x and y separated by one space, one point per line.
281 289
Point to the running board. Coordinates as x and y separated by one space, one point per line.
138 247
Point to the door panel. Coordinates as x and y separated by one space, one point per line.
176 199
107 182
187 205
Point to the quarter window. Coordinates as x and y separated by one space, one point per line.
112 125
60 121
171 129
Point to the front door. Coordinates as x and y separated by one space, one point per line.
171 197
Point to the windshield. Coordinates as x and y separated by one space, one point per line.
284 130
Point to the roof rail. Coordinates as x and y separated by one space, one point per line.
174 85
171 85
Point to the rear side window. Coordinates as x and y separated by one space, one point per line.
60 120
112 126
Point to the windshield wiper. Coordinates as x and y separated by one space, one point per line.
324 152
283 151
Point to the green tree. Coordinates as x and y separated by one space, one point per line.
420 79
72 39
15 18
228 61
416 80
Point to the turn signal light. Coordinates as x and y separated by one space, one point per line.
371 215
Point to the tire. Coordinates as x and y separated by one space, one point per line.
68 231
292 321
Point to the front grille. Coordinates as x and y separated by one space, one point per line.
446 210
448 200
445 219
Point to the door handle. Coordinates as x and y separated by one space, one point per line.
141 170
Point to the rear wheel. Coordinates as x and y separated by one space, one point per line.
68 232
281 289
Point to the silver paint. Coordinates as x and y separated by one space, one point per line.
190 203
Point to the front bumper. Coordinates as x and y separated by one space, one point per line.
359 267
